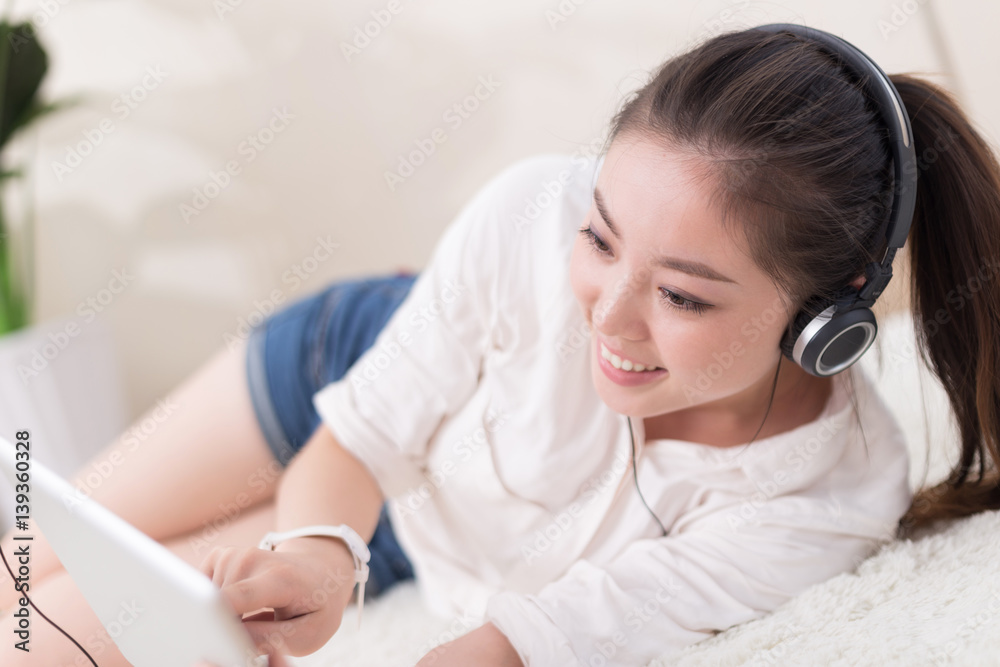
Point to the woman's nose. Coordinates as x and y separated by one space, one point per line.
617 311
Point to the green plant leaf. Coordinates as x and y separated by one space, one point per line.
36 111
23 63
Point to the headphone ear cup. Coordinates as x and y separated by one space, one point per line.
800 322
833 340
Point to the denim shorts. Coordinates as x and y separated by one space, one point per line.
300 349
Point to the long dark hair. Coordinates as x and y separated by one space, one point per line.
801 170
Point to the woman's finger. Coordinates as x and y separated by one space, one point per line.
266 615
276 660
215 560
262 591
297 636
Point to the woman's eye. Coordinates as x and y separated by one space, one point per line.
672 299
675 300
595 241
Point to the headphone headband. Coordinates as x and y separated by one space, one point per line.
829 342
879 88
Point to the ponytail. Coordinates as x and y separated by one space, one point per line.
954 252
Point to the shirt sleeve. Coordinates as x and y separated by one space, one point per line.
663 594
426 362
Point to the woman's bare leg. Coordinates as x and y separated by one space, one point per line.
195 461
59 598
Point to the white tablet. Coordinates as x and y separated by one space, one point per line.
159 611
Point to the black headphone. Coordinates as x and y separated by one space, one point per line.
845 327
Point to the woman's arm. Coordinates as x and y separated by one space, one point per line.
307 581
325 484
485 646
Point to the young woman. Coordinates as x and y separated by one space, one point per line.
577 427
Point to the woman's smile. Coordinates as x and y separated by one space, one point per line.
623 371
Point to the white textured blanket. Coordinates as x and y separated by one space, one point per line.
930 600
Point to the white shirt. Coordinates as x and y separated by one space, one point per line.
510 481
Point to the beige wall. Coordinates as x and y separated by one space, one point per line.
322 176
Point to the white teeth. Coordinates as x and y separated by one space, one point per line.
623 364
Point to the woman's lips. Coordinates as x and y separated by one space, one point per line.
626 378
621 361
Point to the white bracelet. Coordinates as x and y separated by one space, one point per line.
359 550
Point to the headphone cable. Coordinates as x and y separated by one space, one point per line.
635 477
50 621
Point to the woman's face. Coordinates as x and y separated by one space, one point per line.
664 285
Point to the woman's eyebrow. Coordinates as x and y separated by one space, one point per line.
693 268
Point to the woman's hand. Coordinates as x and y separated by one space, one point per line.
299 591
485 646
